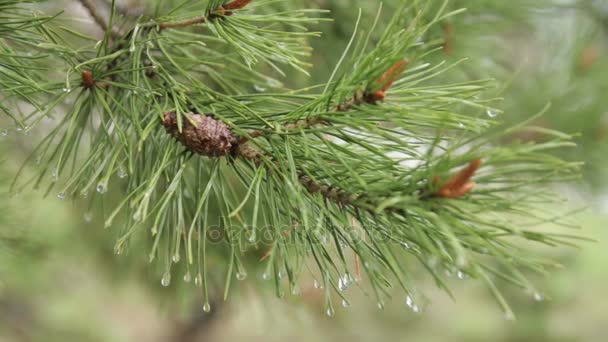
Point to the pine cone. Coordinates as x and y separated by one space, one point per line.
208 137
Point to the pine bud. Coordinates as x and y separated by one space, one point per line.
201 134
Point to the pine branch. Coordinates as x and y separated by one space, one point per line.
301 165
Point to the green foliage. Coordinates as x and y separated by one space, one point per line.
340 181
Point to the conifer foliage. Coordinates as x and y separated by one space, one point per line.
381 170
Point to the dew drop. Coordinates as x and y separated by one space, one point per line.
265 276
380 305
409 301
4 132
345 303
538 297
295 290
316 284
67 90
54 174
492 113
122 173
415 308
280 275
175 258
166 280
251 237
461 275
198 280
259 88
509 316
341 285
273 83
61 195
241 275
88 217
329 312
207 307
348 280
154 230
101 188
187 277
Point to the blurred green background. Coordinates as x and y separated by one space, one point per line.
61 281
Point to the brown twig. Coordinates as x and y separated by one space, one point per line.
90 6
225 10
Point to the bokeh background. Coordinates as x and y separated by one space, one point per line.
61 281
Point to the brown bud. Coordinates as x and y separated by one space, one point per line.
201 134
87 79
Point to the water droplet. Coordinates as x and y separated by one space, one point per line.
345 303
241 275
175 258
252 236
341 286
198 280
329 312
492 113
84 194
316 284
259 88
187 277
509 316
61 195
461 125
273 83
380 305
101 188
409 301
207 307
265 276
280 275
406 245
348 280
132 48
538 297
88 217
295 290
54 174
67 90
122 173
461 275
166 280
154 230
4 132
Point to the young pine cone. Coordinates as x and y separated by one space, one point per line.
208 137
